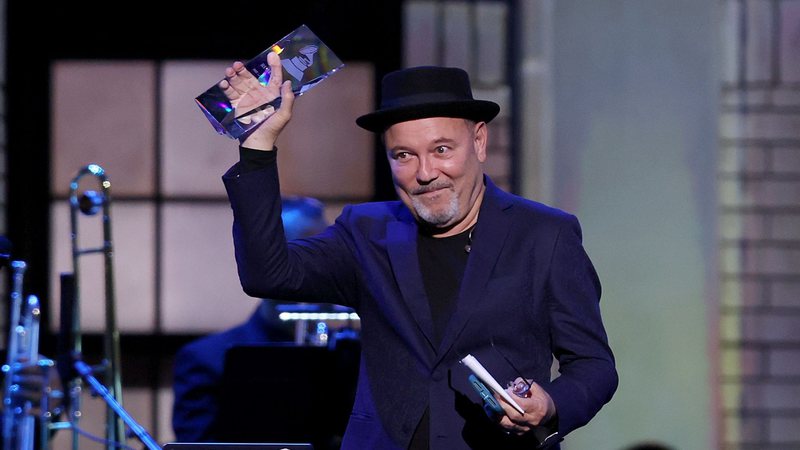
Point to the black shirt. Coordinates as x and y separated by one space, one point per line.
442 262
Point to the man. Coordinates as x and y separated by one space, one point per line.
198 369
455 267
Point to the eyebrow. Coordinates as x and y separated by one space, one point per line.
437 141
444 140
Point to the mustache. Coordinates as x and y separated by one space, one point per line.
432 187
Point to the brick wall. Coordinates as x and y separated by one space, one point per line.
759 186
472 36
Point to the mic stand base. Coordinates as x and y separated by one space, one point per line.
86 373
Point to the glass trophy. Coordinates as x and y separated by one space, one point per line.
306 62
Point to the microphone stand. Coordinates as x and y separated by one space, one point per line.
86 373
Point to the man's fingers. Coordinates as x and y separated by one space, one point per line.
543 406
275 70
512 427
509 410
270 122
287 96
240 78
538 408
512 422
261 115
229 91
226 86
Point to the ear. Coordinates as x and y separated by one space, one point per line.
480 140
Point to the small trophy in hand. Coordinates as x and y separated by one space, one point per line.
306 61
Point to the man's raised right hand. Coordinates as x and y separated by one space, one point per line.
246 93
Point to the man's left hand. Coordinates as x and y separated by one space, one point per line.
537 404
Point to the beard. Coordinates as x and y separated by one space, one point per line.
436 217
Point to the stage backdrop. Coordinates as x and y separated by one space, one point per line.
634 107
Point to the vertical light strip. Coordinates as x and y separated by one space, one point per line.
421 27
534 164
157 331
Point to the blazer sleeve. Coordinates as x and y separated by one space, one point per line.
588 377
316 269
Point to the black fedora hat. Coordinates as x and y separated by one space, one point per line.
422 92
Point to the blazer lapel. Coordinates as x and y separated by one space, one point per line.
487 242
402 248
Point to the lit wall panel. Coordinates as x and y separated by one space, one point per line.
133 225
323 153
103 112
194 156
199 285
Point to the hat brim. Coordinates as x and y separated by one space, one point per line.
477 110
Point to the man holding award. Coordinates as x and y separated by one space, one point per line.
455 270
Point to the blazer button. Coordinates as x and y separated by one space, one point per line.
438 375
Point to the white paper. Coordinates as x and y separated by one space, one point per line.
487 379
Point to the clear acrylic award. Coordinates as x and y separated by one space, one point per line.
306 61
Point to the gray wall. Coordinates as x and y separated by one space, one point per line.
634 99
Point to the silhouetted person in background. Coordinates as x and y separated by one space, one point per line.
199 364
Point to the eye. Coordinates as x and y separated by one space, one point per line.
401 155
442 149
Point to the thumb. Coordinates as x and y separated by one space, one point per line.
281 117
287 96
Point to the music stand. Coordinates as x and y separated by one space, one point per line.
282 393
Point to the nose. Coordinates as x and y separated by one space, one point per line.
427 171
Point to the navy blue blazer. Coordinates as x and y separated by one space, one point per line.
528 287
